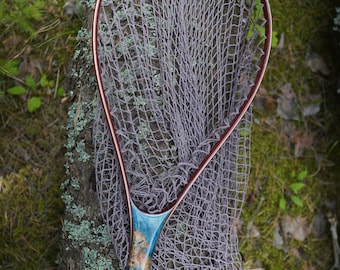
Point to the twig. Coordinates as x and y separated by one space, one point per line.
333 221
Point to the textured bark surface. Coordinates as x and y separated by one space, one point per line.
85 241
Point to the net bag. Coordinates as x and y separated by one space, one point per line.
176 74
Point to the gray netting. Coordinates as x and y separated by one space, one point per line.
175 75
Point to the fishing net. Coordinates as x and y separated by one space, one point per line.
175 74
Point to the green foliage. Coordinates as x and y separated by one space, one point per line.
16 90
36 42
31 87
35 90
44 82
258 11
60 91
296 200
300 176
283 203
22 15
293 191
9 67
33 104
31 83
295 187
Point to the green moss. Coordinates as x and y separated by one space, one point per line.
30 206
274 165
270 178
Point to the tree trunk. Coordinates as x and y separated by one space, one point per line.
85 240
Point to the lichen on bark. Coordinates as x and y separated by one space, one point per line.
85 240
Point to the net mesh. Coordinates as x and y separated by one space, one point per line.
175 75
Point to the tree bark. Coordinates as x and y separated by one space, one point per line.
85 240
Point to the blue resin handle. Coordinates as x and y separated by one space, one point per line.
146 229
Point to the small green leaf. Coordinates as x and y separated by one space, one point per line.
302 175
33 104
51 84
30 82
61 92
44 81
296 187
16 90
283 204
296 200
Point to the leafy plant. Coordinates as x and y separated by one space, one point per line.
294 190
35 91
36 38
259 11
21 14
9 67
